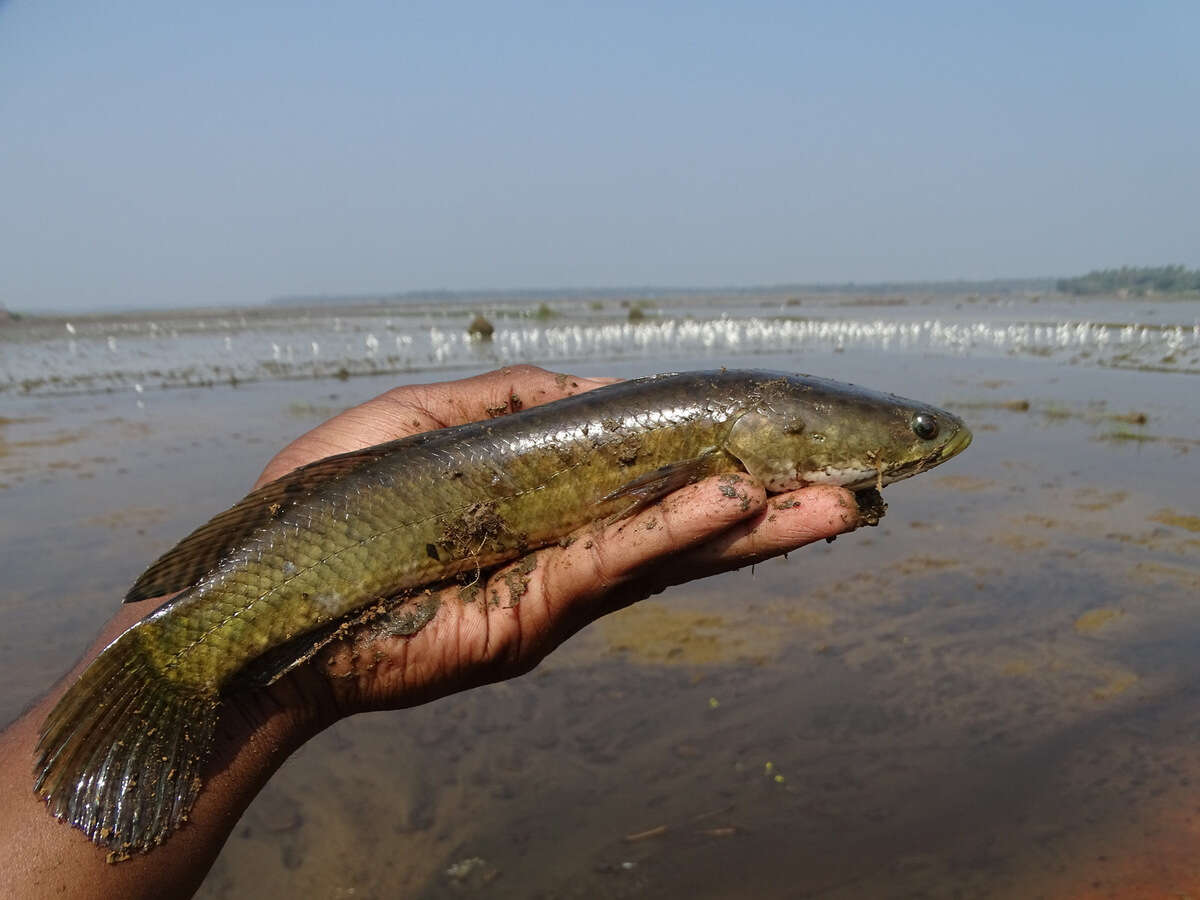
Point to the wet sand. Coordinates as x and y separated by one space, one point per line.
992 694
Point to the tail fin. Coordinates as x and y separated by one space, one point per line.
119 756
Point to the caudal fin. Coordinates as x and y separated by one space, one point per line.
119 756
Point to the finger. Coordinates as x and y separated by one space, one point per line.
484 396
787 522
582 581
412 409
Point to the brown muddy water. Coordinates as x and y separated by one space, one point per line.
996 693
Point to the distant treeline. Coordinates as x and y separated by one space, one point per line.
1136 280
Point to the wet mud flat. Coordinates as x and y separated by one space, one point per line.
992 694
54 356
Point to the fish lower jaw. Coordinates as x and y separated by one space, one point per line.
850 478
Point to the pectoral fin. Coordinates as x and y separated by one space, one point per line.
400 616
652 486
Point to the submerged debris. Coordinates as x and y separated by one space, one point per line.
481 329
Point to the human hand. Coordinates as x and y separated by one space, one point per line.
698 531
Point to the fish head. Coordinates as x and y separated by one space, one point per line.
800 430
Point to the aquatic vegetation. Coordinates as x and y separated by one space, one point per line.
1094 620
1177 519
1125 435
481 329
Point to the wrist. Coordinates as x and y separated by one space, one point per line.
260 727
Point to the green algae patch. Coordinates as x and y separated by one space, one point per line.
808 618
1017 668
966 484
1006 405
1096 500
920 564
1119 435
1094 620
1124 435
1176 519
301 410
130 517
1019 542
57 439
658 635
1157 573
1118 682
1129 418
1054 412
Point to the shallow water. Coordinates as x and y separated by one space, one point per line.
105 353
993 694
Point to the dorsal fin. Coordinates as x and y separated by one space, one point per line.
198 553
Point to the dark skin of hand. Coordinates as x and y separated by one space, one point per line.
699 531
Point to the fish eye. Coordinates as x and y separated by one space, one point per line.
925 426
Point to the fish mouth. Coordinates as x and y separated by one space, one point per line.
956 445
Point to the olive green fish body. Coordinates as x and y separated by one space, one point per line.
339 535
469 497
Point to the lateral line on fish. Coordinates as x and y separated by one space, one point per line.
180 654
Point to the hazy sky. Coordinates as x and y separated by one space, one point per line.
165 153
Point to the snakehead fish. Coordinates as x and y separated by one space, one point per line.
120 755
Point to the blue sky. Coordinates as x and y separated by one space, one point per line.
161 154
